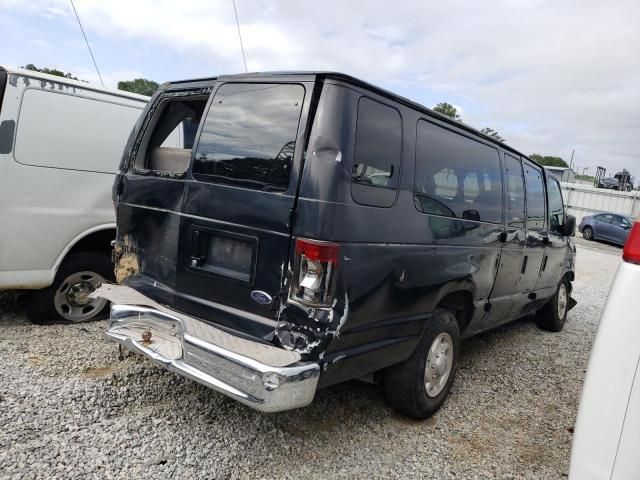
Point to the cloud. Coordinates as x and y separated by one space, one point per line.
549 76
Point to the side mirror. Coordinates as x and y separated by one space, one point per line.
569 227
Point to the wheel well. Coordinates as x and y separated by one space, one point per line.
99 241
461 304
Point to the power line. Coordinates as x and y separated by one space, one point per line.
244 59
87 42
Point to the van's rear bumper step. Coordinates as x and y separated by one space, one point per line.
188 347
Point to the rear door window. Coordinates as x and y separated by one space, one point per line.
249 136
535 197
456 176
606 218
377 156
168 148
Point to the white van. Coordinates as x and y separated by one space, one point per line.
60 144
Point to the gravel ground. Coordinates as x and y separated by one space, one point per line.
70 409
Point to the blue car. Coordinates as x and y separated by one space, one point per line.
606 226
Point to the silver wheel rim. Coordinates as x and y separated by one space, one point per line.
562 300
72 301
439 363
587 233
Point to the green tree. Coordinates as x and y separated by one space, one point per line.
490 132
141 86
447 109
50 71
549 161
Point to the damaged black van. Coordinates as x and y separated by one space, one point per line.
314 228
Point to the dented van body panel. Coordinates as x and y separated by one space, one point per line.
226 251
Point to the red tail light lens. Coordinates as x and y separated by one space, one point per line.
318 251
631 252
315 272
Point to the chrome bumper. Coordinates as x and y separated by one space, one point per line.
193 349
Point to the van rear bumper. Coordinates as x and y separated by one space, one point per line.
183 345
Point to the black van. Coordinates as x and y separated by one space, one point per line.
316 229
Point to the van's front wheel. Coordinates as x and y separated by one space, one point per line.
553 315
418 386
67 299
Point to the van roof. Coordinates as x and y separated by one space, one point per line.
360 83
69 81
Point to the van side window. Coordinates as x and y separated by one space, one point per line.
535 197
172 136
515 192
249 136
377 154
556 207
456 176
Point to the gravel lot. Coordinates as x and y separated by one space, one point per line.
70 409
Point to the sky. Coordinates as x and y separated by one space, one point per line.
551 76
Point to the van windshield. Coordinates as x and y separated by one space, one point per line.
249 136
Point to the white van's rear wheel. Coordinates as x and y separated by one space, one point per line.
67 299
71 300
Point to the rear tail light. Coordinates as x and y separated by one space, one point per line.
631 252
315 272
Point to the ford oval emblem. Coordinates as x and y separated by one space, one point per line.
261 297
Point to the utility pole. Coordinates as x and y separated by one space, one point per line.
571 161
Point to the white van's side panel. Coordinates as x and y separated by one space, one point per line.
89 132
55 184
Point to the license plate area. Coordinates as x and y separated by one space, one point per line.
225 254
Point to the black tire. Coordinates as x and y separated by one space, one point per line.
587 233
551 317
404 383
41 307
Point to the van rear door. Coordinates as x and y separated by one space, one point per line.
239 197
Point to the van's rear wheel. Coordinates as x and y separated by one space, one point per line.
553 315
418 386
67 299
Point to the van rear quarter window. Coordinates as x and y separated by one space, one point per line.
377 154
456 176
249 136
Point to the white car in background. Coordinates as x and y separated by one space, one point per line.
606 442
61 141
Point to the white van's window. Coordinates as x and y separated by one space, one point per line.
456 175
535 197
173 135
556 207
377 154
515 191
72 132
249 136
